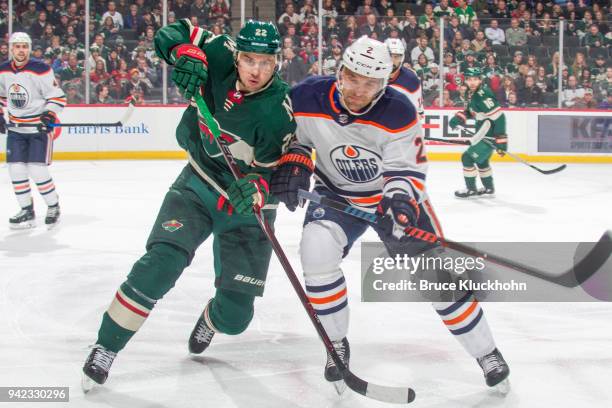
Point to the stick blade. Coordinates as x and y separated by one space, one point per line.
553 171
392 395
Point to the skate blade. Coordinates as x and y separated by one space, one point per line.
87 384
340 386
503 388
22 226
51 226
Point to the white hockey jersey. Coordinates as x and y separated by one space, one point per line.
408 82
361 157
28 91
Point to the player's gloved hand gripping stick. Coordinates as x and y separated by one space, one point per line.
396 395
575 276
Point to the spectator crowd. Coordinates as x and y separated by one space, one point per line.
515 43
122 62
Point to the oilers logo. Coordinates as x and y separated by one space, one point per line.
356 164
18 96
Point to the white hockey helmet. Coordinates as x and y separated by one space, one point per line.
395 46
369 58
20 37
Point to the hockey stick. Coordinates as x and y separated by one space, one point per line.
520 159
126 116
457 142
575 276
397 395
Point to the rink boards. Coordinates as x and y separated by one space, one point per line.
538 135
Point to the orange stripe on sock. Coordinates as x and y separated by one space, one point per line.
463 315
328 299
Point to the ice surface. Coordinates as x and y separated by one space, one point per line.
55 285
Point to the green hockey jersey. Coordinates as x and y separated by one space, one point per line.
482 105
257 125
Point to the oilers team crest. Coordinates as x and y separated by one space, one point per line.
18 96
356 164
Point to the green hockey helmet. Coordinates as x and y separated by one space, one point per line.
473 72
259 37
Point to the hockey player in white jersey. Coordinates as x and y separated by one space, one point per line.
404 79
370 154
31 95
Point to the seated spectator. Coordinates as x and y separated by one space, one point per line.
542 81
587 101
181 9
293 69
546 26
371 26
578 65
515 35
453 80
112 61
138 85
4 52
53 15
103 95
473 29
431 81
73 73
367 7
513 67
450 32
37 28
464 12
593 38
290 12
121 77
133 19
598 71
427 20
508 87
531 67
448 102
99 75
147 21
421 67
603 86
331 28
73 94
602 23
329 9
219 9
421 48
47 36
94 57
411 30
29 16
511 101
114 15
469 62
443 10
495 34
530 95
108 29
479 44
572 92
500 11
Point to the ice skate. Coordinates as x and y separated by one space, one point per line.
332 373
202 334
486 192
52 218
496 371
24 219
97 365
466 193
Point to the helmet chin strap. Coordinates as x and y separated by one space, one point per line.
344 105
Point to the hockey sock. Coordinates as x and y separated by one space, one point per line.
230 312
40 174
21 183
466 321
469 174
486 175
330 301
127 312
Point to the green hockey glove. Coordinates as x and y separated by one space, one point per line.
457 120
190 69
247 192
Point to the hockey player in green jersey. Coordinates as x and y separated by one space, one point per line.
490 135
240 85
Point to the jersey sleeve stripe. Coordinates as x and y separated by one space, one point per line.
386 129
406 89
332 89
407 173
311 115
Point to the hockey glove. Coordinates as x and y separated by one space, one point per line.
457 120
2 122
397 213
293 173
190 69
247 192
48 118
501 143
